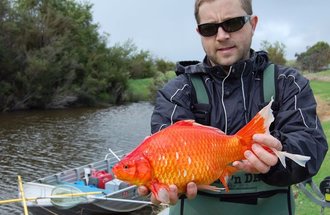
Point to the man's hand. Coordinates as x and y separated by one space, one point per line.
173 193
259 160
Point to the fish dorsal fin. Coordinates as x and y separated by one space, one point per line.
191 122
188 122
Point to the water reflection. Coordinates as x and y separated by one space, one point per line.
38 143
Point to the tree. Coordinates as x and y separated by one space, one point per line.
50 49
315 57
141 65
164 66
276 51
51 55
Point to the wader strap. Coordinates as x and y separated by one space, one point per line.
200 90
269 83
201 106
182 197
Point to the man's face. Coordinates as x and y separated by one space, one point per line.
226 48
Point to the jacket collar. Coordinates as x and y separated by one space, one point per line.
256 63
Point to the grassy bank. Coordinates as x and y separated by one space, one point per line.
305 206
145 89
139 89
320 83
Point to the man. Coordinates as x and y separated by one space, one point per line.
233 74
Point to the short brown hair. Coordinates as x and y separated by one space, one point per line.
246 5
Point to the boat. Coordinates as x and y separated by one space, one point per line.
88 189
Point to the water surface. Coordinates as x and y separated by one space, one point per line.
34 144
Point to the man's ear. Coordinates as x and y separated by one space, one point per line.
197 30
254 22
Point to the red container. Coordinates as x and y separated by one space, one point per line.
101 177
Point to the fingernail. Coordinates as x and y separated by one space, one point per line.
191 186
173 188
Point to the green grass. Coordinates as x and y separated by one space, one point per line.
304 206
144 89
322 89
139 89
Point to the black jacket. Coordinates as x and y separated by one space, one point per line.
237 96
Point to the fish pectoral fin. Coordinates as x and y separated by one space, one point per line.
161 192
210 188
224 180
226 173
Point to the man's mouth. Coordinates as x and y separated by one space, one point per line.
226 48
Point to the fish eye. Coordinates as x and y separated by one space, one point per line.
126 166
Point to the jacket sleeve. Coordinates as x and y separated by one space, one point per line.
298 128
172 104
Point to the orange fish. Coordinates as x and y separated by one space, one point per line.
187 151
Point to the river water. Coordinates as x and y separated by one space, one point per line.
34 144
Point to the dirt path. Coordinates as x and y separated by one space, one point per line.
323 109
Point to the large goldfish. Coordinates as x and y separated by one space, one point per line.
187 151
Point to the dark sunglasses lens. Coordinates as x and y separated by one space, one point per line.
234 24
231 25
208 29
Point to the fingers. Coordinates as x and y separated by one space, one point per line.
257 163
172 193
172 196
143 191
268 158
191 190
260 159
245 166
268 140
154 200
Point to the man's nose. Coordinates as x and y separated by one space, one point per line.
221 34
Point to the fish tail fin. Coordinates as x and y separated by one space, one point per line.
258 125
301 160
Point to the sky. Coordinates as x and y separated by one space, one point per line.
166 28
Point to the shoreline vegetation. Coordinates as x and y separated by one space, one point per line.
53 56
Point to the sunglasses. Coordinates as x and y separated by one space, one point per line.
230 25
